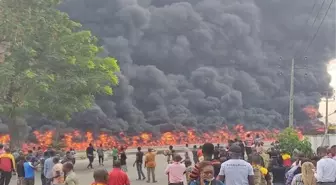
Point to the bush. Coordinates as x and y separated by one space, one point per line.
290 142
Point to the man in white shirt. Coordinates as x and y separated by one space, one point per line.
236 171
325 169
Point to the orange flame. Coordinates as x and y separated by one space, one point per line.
311 111
79 140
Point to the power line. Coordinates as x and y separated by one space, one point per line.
305 25
318 12
318 29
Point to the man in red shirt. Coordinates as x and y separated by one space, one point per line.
117 176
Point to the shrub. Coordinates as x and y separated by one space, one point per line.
290 142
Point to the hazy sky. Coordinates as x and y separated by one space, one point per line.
332 104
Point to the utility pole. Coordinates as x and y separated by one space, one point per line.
327 113
291 97
326 124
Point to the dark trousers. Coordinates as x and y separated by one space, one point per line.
114 159
139 170
101 159
5 178
151 171
195 160
248 150
29 181
90 162
43 179
48 181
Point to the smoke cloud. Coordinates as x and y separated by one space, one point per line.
204 63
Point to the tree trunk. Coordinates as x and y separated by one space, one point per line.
13 133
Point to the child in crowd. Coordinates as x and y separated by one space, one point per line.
100 176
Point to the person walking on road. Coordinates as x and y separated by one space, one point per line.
138 163
150 164
100 152
90 155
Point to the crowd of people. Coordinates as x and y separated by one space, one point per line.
248 163
237 163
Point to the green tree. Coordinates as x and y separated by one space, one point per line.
289 141
47 64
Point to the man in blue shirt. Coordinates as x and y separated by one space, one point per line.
29 171
48 166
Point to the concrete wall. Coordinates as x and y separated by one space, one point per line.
318 140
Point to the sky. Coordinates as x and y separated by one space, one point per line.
332 103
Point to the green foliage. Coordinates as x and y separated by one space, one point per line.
50 67
289 141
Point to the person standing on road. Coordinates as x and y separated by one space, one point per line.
150 164
249 141
194 153
123 159
29 171
100 177
7 166
90 155
100 152
48 166
42 161
187 152
138 163
73 154
169 153
325 169
207 152
57 170
207 175
117 176
67 158
115 153
71 178
20 170
236 170
175 171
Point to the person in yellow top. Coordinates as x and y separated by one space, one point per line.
261 175
7 166
150 164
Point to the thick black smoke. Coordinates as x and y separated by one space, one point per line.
204 63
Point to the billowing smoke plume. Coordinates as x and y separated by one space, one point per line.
204 63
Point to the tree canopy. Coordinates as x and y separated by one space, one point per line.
47 63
